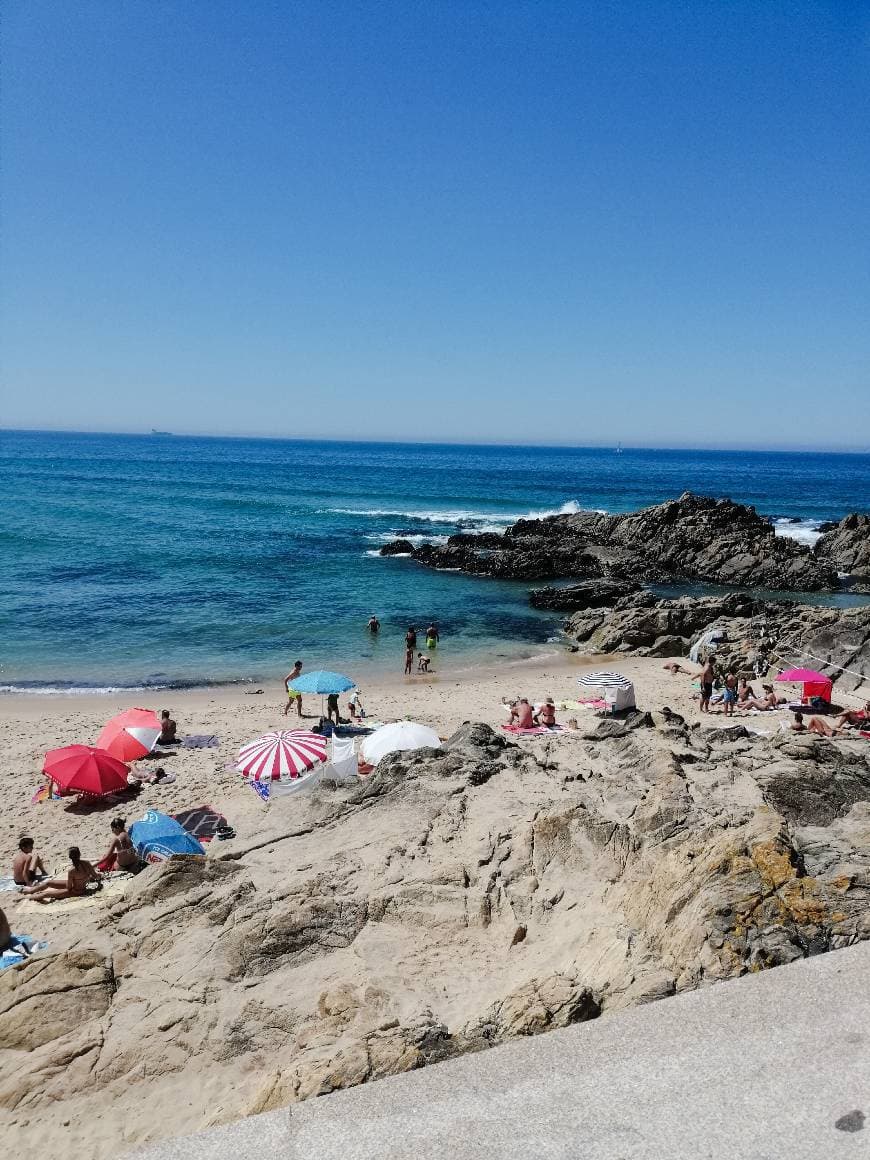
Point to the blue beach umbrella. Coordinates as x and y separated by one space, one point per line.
157 837
323 682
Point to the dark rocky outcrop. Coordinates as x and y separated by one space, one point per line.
588 594
398 548
846 547
688 539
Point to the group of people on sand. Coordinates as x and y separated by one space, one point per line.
28 867
423 662
523 715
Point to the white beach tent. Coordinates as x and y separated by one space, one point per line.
398 736
618 690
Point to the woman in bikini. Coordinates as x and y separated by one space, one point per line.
73 886
121 854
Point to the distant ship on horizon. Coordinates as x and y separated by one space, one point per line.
155 432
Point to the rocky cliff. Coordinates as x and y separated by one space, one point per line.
760 634
691 538
457 898
846 547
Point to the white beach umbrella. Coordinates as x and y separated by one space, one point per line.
398 736
602 680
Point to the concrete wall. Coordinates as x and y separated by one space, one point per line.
769 1066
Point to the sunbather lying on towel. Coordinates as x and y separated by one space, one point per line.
768 701
73 886
860 718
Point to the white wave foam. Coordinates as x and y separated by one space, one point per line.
74 690
416 540
805 531
376 554
496 521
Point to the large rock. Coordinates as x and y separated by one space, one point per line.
847 548
690 538
432 910
589 594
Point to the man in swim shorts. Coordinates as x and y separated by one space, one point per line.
708 676
292 695
432 636
27 866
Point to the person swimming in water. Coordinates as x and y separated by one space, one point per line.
374 625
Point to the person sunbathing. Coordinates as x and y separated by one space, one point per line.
521 714
73 886
676 669
546 715
27 866
121 854
768 701
859 718
168 729
745 692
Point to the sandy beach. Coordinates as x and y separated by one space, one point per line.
30 725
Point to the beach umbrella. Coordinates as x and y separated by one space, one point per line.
602 680
158 837
288 754
131 734
322 681
815 684
85 769
401 735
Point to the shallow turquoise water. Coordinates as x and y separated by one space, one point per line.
130 560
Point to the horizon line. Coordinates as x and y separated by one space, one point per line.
614 445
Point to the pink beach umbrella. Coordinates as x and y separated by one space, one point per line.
815 684
288 754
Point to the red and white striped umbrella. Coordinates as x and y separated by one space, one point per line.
288 754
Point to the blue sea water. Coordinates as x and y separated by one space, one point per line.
150 560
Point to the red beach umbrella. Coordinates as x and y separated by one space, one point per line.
287 754
131 734
85 769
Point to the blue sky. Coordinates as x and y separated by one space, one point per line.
533 222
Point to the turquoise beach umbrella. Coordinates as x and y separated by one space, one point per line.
323 682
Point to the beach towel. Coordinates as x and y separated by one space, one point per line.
12 957
201 821
260 788
45 793
7 882
200 741
535 732
113 889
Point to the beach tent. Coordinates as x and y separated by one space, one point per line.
815 684
130 734
400 735
158 837
707 640
618 690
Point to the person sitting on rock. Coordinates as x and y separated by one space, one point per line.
73 886
27 866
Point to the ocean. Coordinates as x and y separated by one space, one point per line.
162 561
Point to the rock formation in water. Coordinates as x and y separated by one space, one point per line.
691 538
846 546
457 898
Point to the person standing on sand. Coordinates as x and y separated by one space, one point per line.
729 696
708 676
292 695
27 866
